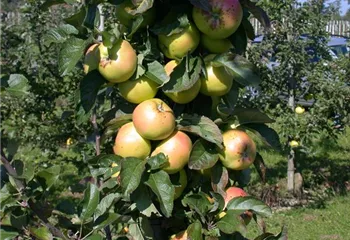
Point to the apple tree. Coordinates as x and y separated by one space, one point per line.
160 88
302 86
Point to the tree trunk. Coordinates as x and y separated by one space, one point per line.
290 172
291 156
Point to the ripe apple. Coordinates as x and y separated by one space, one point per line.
221 21
299 110
233 192
239 150
154 119
177 148
184 96
128 143
119 63
179 236
215 45
218 81
125 18
182 180
177 45
139 90
91 59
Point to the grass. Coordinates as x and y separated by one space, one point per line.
327 218
330 222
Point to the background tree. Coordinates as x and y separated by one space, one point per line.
297 47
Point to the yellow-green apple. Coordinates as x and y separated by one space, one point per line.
239 150
128 143
91 59
215 45
222 19
218 81
139 90
177 45
154 119
125 18
181 182
185 96
119 63
177 148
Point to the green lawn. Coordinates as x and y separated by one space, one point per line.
330 222
330 217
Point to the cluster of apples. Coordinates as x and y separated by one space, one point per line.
208 29
153 120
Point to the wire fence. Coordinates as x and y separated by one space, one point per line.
334 27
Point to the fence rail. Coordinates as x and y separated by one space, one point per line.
334 27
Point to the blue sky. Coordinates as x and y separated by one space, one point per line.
345 5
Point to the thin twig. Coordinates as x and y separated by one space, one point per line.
98 152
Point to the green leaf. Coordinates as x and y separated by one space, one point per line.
155 72
94 236
269 236
24 171
113 125
194 230
66 206
248 27
141 229
136 24
41 233
258 13
161 185
174 23
8 234
49 176
59 34
260 167
105 220
142 7
17 85
143 199
249 203
19 219
198 203
219 178
105 204
184 75
89 88
70 54
77 20
158 161
251 115
131 173
201 126
240 68
230 99
90 201
203 155
204 5
266 134
89 20
230 222
239 40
